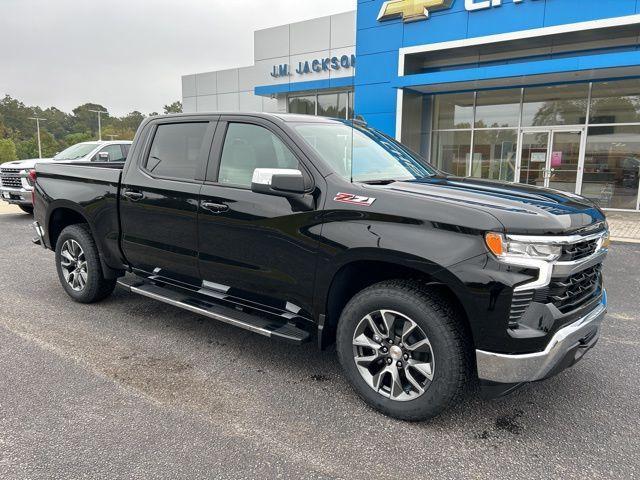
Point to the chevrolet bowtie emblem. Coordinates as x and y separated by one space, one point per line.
411 10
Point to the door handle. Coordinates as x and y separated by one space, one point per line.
214 207
133 195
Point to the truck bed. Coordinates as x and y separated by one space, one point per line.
91 189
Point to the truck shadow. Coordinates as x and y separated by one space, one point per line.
305 374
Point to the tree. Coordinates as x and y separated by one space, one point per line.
27 149
175 107
7 150
61 129
49 144
74 138
87 121
131 121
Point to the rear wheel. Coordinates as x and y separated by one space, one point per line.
404 350
79 267
26 209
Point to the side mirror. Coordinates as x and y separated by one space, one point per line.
103 156
282 182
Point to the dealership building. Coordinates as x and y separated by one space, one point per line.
542 92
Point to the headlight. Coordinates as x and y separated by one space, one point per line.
30 175
504 249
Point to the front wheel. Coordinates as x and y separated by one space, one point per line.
403 350
78 265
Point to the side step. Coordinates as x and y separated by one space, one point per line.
193 302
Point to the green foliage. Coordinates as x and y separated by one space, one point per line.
74 138
7 150
59 130
27 149
175 107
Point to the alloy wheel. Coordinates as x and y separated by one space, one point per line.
393 355
74 265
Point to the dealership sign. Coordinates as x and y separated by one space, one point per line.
317 65
412 10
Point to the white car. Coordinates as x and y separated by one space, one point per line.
16 184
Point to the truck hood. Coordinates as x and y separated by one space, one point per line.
26 164
521 209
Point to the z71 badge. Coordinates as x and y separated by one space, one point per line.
354 199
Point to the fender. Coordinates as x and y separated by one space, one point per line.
110 270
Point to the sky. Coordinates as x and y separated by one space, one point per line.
130 54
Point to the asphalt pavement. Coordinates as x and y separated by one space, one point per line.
131 388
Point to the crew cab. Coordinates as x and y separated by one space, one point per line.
16 178
302 228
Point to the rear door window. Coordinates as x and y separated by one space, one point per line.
176 151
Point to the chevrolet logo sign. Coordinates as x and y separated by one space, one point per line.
411 10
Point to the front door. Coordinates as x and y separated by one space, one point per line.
255 246
551 158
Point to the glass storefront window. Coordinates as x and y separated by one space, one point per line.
303 105
555 105
453 110
350 112
494 154
333 105
615 102
498 108
612 166
451 151
415 122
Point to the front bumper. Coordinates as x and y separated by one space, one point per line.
16 196
564 349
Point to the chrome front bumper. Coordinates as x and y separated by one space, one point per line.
566 347
17 196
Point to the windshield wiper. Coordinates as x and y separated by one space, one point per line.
379 182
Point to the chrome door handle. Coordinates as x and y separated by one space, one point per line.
214 207
133 195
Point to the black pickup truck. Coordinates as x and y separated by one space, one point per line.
304 228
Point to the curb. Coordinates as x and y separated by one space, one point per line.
625 240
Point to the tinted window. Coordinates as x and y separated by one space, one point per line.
114 151
247 147
175 152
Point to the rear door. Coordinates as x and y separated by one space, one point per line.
159 198
256 246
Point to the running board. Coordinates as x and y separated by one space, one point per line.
194 303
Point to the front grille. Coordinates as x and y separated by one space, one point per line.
578 251
11 178
577 290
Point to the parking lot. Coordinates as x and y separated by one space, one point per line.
131 388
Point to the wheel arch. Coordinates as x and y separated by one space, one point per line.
65 214
356 274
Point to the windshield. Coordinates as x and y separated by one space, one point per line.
75 151
373 156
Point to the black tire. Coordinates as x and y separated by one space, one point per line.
450 347
26 209
96 287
